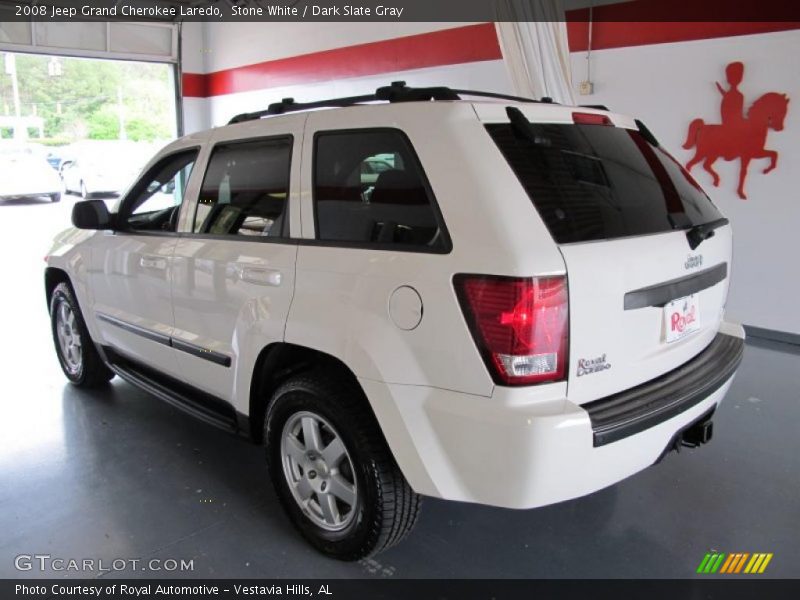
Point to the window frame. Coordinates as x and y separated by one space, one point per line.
446 245
123 210
209 151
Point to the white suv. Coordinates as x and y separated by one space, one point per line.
524 305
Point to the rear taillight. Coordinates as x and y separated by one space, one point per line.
520 325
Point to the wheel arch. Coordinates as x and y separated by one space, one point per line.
52 277
275 364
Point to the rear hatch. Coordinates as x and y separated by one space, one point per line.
642 302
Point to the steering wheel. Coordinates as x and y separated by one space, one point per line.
171 224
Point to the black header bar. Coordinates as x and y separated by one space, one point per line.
394 10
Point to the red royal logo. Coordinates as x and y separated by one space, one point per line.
738 136
680 321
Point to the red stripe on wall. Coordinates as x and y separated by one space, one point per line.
193 85
643 22
616 25
620 34
472 43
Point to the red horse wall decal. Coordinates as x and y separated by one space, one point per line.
737 136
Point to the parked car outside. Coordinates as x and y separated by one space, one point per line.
55 157
102 167
24 173
528 307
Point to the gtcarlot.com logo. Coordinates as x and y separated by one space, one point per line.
735 563
46 562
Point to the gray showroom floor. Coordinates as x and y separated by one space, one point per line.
119 474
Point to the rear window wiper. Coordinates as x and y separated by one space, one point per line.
699 233
520 123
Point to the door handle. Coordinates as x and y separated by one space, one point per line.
153 262
260 276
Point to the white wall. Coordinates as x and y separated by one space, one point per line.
487 75
193 55
668 85
233 44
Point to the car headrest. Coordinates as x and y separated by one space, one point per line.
398 187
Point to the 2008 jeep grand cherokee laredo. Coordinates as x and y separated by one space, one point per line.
500 301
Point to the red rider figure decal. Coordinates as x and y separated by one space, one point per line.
737 136
732 106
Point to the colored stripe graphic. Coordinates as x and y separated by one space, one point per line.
758 563
727 564
711 562
703 563
765 563
734 562
717 563
742 559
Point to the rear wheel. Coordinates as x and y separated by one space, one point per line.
332 469
76 353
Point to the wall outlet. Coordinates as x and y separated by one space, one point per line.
586 88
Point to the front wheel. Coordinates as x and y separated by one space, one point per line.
332 469
76 353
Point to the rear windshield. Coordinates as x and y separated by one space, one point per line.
593 182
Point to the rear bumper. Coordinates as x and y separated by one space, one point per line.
627 413
529 447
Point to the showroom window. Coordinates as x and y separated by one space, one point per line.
369 189
156 199
246 190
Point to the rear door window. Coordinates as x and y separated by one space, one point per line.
595 182
369 189
245 191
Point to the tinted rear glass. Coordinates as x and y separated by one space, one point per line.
369 189
592 182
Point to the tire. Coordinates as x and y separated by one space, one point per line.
55 197
385 507
80 360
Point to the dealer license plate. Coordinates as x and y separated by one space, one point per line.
681 318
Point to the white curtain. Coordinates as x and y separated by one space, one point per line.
533 39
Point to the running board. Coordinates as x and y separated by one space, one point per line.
197 403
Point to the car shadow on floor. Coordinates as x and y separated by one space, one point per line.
27 201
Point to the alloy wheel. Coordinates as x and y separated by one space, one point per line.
69 339
319 471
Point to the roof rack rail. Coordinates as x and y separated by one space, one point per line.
398 91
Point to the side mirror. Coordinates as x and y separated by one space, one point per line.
91 214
